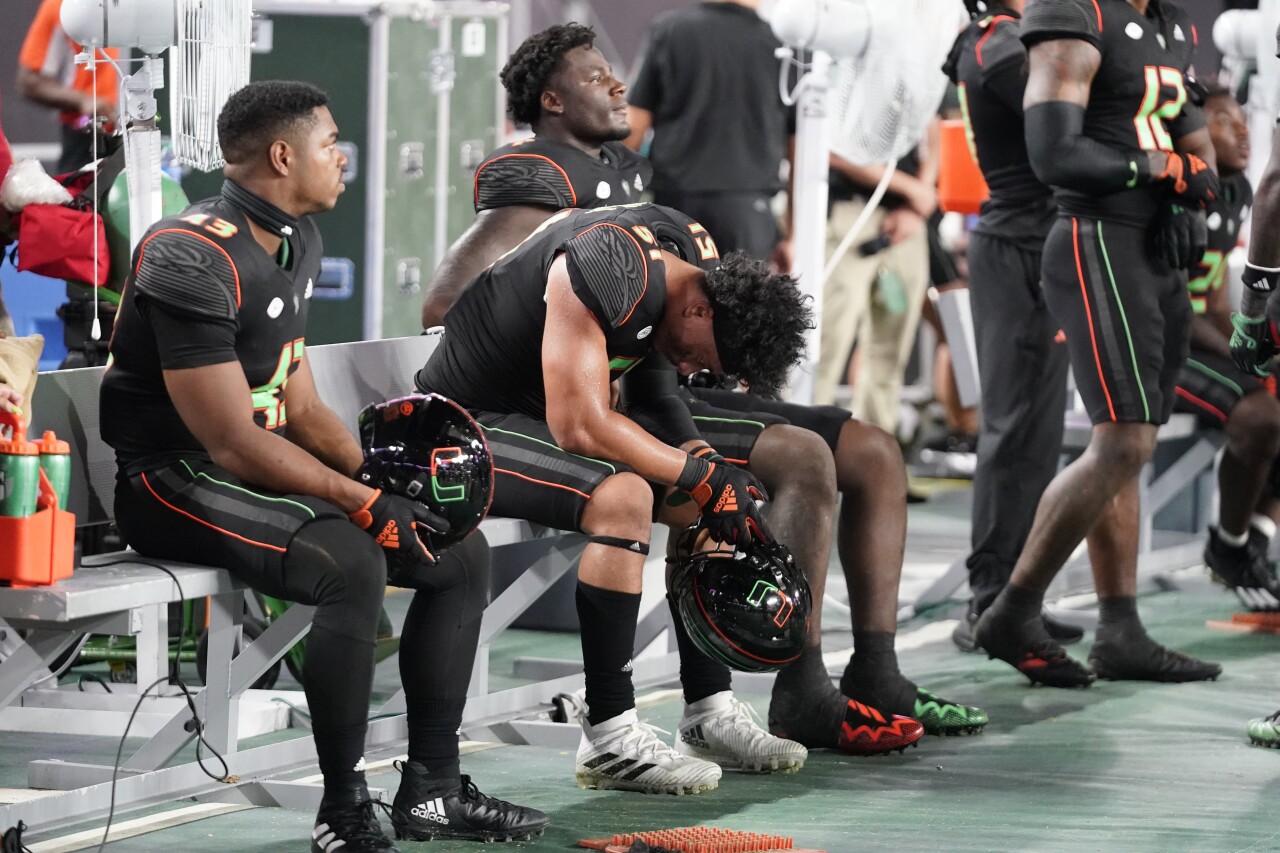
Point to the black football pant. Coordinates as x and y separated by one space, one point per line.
1022 365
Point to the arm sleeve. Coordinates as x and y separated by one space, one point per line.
183 341
1062 156
651 398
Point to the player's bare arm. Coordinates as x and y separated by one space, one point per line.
575 368
493 233
215 404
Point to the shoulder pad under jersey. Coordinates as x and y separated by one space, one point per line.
512 176
189 273
609 271
999 43
1045 20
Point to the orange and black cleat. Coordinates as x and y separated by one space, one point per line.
855 728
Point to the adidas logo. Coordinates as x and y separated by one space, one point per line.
432 810
326 839
359 768
695 737
627 769
728 500
627 667
390 535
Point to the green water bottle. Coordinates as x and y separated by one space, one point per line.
55 459
19 476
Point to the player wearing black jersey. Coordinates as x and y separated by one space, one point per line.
1108 125
1222 396
531 347
228 457
868 467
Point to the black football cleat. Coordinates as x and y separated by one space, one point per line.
1149 661
1244 570
426 809
1031 651
347 822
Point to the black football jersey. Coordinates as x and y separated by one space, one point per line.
490 358
203 291
546 173
1138 99
1224 218
988 65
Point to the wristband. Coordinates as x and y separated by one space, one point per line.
695 471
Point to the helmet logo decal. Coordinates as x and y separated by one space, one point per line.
444 456
756 598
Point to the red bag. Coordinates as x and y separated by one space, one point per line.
57 241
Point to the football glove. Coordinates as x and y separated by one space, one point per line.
1252 346
393 521
1190 178
1180 236
727 498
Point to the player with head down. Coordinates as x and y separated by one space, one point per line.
209 366
559 83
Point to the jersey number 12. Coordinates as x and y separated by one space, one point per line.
1162 101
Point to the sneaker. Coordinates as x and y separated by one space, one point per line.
425 809
725 730
1244 570
1030 650
347 822
940 717
1064 632
1265 731
626 754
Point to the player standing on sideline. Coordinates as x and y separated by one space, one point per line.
209 365
1109 127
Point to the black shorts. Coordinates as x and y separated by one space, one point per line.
1126 315
196 512
738 221
1210 386
731 422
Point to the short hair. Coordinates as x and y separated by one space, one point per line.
1216 90
759 321
263 112
539 56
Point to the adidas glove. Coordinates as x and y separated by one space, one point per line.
394 522
1180 236
1190 178
726 496
1252 346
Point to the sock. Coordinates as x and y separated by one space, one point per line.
700 676
433 737
339 675
1017 605
805 705
608 621
873 678
1235 540
1122 648
1264 525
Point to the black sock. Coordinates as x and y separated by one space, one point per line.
805 705
805 676
339 675
873 677
608 621
1119 625
433 737
1017 605
700 676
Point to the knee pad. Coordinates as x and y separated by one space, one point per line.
345 572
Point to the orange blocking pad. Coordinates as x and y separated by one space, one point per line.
961 187
1249 623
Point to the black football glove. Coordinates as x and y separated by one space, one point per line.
398 524
727 497
1190 178
1181 236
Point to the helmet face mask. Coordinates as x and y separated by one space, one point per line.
427 448
748 608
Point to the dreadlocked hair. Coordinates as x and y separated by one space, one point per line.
759 320
526 73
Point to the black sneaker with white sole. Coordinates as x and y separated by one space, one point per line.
425 809
347 822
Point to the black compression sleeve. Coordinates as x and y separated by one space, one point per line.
1062 156
650 397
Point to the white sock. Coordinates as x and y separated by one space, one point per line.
714 702
1264 525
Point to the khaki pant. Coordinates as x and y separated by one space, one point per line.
852 312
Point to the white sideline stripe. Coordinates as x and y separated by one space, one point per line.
139 826
931 632
465 748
